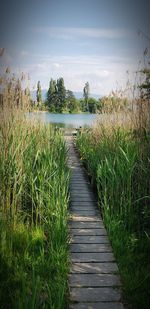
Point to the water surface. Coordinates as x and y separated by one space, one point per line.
64 120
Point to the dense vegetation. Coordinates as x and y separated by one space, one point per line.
61 100
33 211
117 158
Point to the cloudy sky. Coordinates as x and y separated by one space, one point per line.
80 40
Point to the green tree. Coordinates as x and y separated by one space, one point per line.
92 104
52 96
86 92
72 104
39 94
61 95
82 105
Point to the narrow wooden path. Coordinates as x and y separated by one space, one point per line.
93 279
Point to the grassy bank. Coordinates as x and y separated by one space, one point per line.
118 160
33 214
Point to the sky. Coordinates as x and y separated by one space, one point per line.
82 40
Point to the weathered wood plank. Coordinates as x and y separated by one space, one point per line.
95 294
93 280
90 248
79 181
98 305
82 207
86 225
88 232
92 257
82 198
81 192
86 212
85 218
78 177
89 239
94 268
85 185
83 203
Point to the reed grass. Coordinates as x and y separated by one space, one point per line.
33 213
118 162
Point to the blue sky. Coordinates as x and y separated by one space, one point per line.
82 40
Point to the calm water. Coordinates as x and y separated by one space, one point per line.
64 120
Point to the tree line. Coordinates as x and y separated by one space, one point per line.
61 100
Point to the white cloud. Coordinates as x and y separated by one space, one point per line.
41 66
71 33
24 53
56 65
101 72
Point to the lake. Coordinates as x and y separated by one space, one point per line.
64 120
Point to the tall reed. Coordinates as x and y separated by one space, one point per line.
117 158
33 213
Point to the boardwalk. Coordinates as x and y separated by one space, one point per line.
93 279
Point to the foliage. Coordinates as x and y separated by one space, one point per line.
61 100
92 105
51 95
33 214
86 92
71 103
12 92
39 94
118 161
113 103
56 95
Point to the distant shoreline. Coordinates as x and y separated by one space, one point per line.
46 111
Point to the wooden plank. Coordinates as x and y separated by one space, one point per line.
95 294
93 280
82 207
88 232
80 197
83 186
90 248
83 203
90 239
82 191
86 225
86 212
85 218
94 268
79 182
92 257
77 176
98 305
85 192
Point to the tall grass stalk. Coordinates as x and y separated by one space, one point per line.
117 159
33 213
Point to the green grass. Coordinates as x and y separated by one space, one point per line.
119 165
33 214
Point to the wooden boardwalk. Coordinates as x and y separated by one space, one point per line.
94 282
